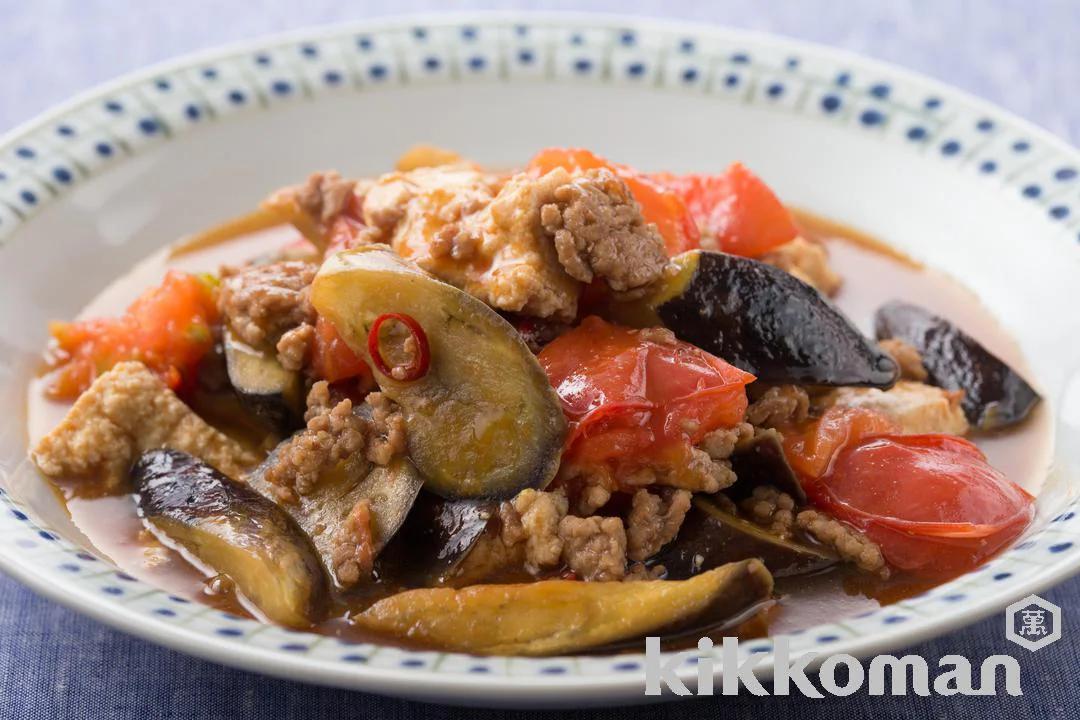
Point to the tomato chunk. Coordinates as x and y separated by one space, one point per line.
659 205
735 210
637 398
331 358
167 328
931 502
811 448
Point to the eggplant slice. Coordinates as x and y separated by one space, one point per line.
235 531
762 320
551 617
390 491
435 539
483 421
711 537
995 396
272 393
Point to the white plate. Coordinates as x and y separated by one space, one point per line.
91 187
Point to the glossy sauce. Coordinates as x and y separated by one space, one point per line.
872 274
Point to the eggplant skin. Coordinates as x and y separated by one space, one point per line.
710 538
769 323
390 491
235 531
995 396
272 393
434 540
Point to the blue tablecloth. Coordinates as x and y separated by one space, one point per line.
54 663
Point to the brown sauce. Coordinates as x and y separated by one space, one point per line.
873 273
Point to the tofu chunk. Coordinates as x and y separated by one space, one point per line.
917 407
127 411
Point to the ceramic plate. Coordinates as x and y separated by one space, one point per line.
91 187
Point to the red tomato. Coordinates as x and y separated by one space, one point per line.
736 210
331 358
810 449
167 328
634 401
658 204
931 502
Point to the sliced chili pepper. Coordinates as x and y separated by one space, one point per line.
421 359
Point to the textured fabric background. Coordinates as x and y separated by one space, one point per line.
56 664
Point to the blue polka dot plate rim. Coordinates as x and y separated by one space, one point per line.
91 187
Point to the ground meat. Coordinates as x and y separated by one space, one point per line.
591 498
322 197
294 347
700 473
808 261
653 522
594 548
127 411
848 542
486 234
388 435
779 405
598 230
907 358
262 302
354 546
721 443
641 571
703 474
772 509
334 433
533 518
916 407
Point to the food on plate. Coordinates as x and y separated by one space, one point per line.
561 616
240 535
527 411
762 319
991 393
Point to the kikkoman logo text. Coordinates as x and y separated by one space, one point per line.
887 674
1032 623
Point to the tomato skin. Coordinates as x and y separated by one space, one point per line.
810 449
932 503
633 401
736 210
333 360
659 204
168 328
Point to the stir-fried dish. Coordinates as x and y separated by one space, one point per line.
537 411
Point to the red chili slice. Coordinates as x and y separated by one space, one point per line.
421 359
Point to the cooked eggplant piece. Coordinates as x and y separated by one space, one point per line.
711 537
761 461
235 531
271 392
995 396
435 539
762 320
390 492
563 616
482 421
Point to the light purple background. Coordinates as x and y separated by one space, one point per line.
1021 54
